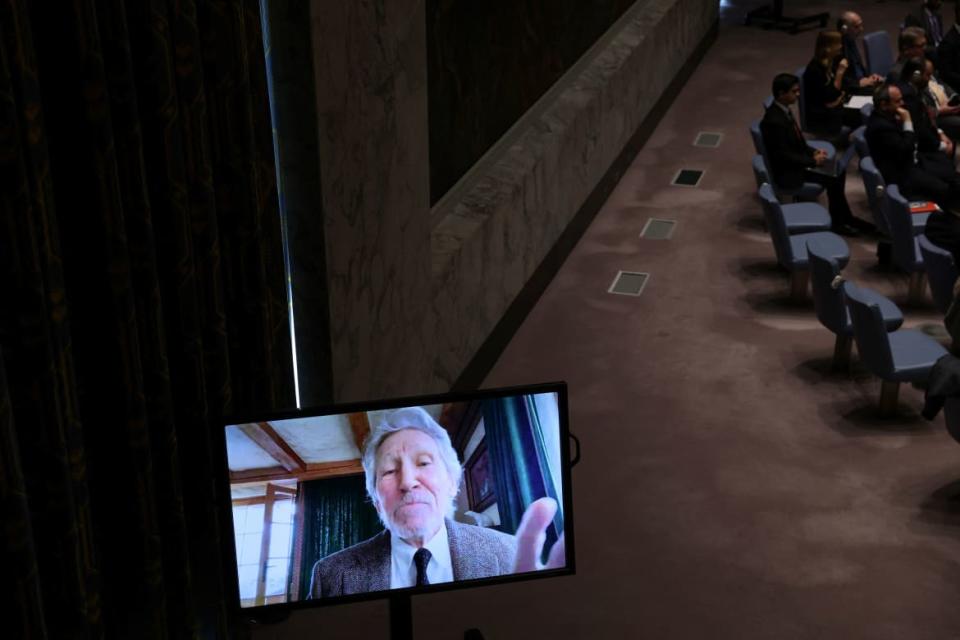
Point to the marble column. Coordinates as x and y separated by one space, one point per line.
369 62
289 58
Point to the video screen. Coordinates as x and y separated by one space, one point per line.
342 504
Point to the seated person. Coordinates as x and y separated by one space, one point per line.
791 158
823 90
927 17
935 97
912 43
948 55
917 99
413 477
856 81
926 174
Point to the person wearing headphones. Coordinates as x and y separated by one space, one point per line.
917 99
915 162
857 81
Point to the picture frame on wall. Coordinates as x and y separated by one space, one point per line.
479 483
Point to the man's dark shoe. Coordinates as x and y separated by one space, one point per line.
845 230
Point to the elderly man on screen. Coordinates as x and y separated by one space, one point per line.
413 477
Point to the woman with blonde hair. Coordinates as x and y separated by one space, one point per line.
823 93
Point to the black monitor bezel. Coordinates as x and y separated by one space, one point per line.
275 611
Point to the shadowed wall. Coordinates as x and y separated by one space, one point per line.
488 62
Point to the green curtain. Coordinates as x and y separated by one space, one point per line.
141 280
518 463
337 514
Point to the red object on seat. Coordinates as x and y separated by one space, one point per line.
923 207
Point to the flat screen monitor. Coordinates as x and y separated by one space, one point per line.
410 495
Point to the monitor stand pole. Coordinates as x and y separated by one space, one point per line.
401 620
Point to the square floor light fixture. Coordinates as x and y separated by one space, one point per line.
629 283
708 139
687 177
657 229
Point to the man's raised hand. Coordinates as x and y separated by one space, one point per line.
532 534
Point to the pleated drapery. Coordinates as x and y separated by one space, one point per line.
519 466
141 298
337 515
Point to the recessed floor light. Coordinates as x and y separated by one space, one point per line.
687 177
629 283
657 229
708 139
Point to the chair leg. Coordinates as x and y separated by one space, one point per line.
888 398
841 353
918 284
799 280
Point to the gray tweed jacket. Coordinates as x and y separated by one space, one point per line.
475 552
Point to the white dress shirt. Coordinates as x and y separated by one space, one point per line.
403 571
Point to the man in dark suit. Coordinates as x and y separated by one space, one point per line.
793 161
475 552
921 173
413 476
914 82
857 80
948 54
928 18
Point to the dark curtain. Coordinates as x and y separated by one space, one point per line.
336 515
141 298
518 462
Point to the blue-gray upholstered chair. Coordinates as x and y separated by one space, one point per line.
905 355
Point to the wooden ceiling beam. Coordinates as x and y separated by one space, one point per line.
360 426
315 471
271 442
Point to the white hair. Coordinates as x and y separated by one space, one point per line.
410 418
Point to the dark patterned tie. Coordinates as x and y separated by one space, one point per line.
936 30
421 558
796 127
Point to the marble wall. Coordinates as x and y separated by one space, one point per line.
488 62
494 229
414 292
371 92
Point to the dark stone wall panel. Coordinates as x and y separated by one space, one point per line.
488 62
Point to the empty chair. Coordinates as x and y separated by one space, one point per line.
901 356
903 236
799 217
831 307
879 53
860 142
791 250
941 272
